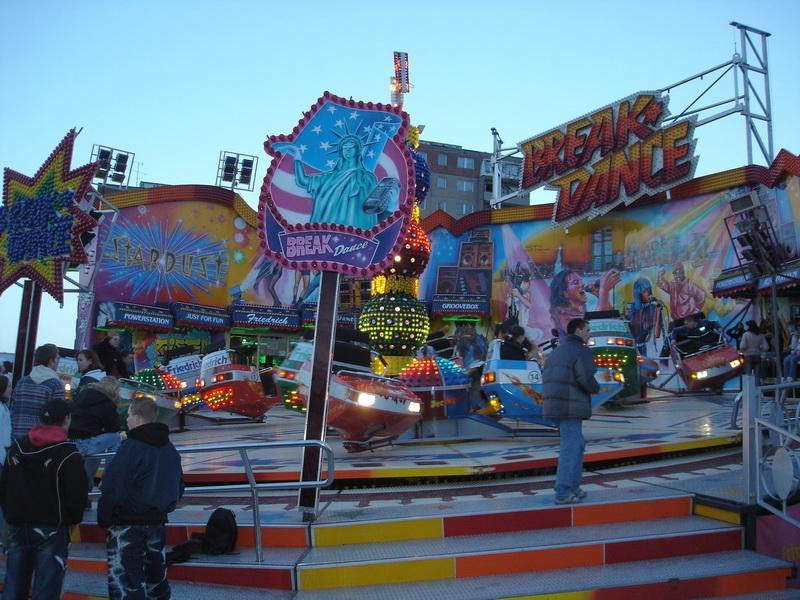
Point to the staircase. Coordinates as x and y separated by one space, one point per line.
640 541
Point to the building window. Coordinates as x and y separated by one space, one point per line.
602 257
464 208
466 163
510 170
366 291
441 182
462 185
441 160
442 206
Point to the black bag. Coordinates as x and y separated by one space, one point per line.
221 532
183 552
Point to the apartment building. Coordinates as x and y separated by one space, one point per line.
461 179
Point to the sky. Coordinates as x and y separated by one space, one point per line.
177 82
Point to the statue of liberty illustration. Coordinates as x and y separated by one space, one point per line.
337 170
348 193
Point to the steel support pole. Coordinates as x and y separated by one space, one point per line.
27 330
749 441
497 180
317 410
776 339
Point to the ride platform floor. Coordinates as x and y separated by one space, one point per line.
665 425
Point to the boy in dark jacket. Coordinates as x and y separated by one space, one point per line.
43 492
569 383
141 485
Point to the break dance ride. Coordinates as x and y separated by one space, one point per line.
704 360
226 386
367 410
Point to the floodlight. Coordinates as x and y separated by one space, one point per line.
104 162
236 171
111 163
229 170
246 173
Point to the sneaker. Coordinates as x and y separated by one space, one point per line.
571 499
580 493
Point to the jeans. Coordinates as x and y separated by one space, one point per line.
752 366
105 442
36 550
790 365
570 457
137 567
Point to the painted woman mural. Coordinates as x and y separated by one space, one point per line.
568 296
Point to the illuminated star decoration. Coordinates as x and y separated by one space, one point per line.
40 222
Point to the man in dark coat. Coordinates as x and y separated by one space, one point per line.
569 383
43 492
141 485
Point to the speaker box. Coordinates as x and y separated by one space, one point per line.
485 256
447 280
468 255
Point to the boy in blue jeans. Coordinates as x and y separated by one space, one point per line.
141 485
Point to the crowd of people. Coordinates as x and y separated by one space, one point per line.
49 468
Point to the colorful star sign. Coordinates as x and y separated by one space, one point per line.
40 222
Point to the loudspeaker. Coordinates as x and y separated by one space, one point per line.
447 280
468 255
485 256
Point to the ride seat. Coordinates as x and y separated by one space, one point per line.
350 356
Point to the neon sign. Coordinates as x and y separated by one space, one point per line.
612 155
41 223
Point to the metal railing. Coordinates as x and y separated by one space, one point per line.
771 446
252 485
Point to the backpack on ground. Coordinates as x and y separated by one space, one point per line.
221 532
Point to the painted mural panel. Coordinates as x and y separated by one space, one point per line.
653 263
196 252
172 252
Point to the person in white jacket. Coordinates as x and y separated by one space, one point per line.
752 345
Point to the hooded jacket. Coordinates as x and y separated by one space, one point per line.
30 394
93 413
92 376
43 482
144 480
569 381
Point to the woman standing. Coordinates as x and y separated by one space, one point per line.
752 345
89 367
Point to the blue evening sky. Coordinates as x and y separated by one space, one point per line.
178 81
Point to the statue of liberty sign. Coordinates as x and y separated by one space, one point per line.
338 193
